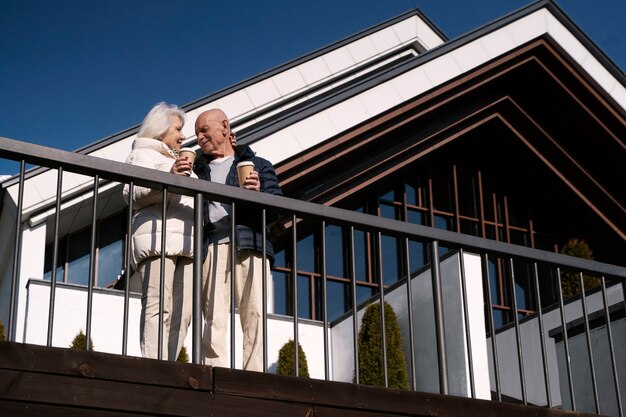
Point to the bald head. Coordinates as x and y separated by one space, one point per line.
213 132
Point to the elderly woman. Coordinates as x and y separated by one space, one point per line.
158 141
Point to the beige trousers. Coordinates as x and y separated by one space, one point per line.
177 305
248 297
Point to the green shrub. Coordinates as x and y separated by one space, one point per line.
79 341
183 356
371 351
570 281
2 336
286 361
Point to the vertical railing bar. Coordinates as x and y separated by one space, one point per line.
264 283
468 336
92 261
518 336
17 257
355 320
162 274
568 361
409 292
583 299
325 303
55 255
294 295
127 274
492 328
381 299
233 276
542 336
612 348
439 318
196 335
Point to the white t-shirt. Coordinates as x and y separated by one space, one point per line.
219 213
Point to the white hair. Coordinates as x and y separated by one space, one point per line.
157 121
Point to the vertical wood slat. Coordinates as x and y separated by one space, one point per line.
492 328
162 274
294 276
127 268
607 315
196 336
592 367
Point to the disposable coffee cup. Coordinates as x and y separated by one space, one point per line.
188 153
243 170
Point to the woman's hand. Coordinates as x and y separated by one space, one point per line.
182 166
252 182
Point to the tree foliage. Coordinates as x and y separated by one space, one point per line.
183 356
570 281
371 351
80 340
2 336
286 361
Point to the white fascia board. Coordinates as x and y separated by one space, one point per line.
436 72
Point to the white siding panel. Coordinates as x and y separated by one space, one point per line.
406 31
441 69
619 94
278 146
338 60
385 40
314 71
119 150
314 130
289 81
348 114
235 104
362 49
497 43
599 73
529 27
565 38
380 98
426 36
411 84
263 92
470 56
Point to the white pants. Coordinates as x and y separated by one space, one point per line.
177 304
249 299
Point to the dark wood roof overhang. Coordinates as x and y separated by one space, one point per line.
536 92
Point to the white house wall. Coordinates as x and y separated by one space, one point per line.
107 324
532 356
425 347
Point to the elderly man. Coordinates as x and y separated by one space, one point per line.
218 164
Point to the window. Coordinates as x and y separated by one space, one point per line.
74 254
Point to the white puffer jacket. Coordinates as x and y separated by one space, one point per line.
147 203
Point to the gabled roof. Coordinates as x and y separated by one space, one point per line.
294 108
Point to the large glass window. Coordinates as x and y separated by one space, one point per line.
462 194
74 254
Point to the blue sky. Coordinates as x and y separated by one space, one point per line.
75 71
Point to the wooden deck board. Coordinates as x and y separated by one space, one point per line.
38 380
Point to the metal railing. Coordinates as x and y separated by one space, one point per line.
103 171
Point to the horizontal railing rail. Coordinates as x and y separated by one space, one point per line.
103 170
121 172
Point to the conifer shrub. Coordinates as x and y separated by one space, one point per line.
183 356
286 361
570 281
80 340
371 350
